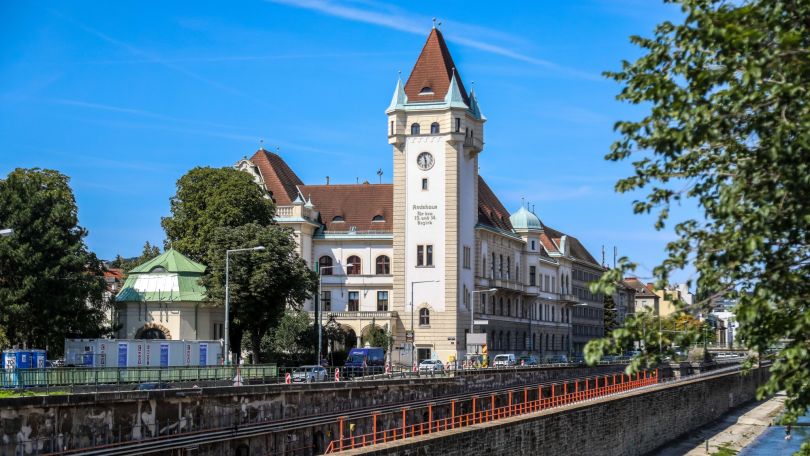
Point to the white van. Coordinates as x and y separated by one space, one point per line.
505 360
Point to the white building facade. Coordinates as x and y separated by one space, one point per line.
435 251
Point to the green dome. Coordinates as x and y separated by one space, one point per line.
524 220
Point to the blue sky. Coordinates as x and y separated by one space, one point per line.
126 97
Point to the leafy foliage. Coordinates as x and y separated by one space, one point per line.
378 337
149 251
727 92
292 341
263 284
51 286
208 199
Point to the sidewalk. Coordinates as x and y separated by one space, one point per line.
733 431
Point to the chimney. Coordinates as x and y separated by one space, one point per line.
327 180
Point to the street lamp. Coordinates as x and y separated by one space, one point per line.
318 313
413 334
228 299
6 232
472 307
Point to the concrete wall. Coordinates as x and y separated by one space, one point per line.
632 425
41 423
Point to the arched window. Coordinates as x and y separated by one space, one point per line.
424 317
509 307
492 266
508 268
500 267
338 218
434 128
484 266
325 265
158 269
353 265
415 129
383 265
378 218
426 91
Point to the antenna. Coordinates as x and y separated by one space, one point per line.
603 255
380 174
615 254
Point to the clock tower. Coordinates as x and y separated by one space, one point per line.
436 129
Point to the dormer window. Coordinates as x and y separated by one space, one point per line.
415 129
434 128
378 218
426 91
338 218
158 269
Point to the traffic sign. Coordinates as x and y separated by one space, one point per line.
480 322
408 336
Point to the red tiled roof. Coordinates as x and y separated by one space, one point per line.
575 248
279 179
490 210
356 203
114 273
434 69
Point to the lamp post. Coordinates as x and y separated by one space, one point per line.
6 232
318 313
413 334
228 298
472 307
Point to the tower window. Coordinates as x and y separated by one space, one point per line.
434 128
338 218
424 317
458 124
415 129
426 91
378 218
392 128
424 183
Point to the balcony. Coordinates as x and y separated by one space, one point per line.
360 315
503 283
568 298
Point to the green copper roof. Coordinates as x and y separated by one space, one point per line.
177 280
172 261
525 220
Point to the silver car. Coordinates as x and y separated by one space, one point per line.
431 365
309 374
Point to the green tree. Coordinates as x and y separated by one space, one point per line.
293 340
378 337
725 93
149 251
263 284
51 285
609 317
208 199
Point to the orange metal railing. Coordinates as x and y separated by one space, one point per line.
484 409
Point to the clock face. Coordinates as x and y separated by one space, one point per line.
425 161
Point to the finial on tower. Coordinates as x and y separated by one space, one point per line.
261 144
434 22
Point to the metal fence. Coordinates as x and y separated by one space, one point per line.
69 377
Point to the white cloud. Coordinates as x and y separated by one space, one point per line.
397 19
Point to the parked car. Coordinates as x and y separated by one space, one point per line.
362 361
431 366
529 360
504 360
557 359
309 374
